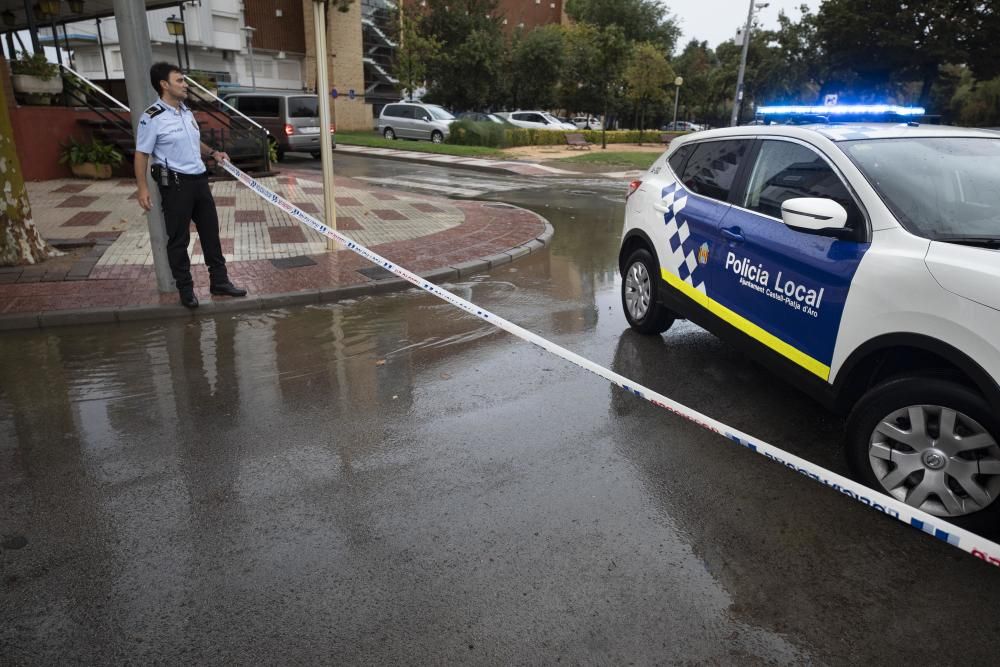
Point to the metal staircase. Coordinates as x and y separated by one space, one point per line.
245 141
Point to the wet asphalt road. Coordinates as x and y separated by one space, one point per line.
387 480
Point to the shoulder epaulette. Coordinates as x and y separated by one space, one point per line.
154 110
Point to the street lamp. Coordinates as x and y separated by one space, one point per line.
678 82
175 27
253 72
743 62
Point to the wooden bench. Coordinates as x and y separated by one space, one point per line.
576 140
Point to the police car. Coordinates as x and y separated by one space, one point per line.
862 263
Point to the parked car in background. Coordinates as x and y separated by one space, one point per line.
414 120
292 119
682 126
538 120
587 123
480 117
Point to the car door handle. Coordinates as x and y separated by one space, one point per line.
733 234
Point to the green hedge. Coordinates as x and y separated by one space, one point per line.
494 135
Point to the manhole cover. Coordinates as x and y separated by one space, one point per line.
292 262
376 273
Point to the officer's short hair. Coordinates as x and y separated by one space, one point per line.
161 72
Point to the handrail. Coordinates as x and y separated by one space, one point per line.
225 104
94 86
385 37
380 70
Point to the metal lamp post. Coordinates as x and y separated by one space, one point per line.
678 82
175 27
253 70
743 62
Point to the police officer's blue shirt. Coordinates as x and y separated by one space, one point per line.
172 137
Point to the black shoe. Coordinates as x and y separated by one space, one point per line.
227 289
189 300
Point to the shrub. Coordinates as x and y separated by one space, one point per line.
493 135
34 65
96 152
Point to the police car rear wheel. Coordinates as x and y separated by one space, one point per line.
640 295
930 443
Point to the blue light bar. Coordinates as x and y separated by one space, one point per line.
843 109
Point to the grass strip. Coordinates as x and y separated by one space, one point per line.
633 159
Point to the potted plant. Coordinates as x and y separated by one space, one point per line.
205 81
35 78
90 160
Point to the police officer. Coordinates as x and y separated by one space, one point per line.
169 133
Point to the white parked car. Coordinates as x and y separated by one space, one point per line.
539 120
862 263
586 123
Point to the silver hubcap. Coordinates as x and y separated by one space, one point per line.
436 138
637 290
936 459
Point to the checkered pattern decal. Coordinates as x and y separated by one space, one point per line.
683 258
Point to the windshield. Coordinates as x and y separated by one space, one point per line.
939 188
303 107
552 119
439 113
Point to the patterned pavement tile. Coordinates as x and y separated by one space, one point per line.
86 218
78 201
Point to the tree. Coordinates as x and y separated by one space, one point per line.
413 55
874 48
640 20
593 76
20 242
466 72
646 77
536 66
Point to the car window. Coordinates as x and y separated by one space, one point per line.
420 113
439 113
712 167
785 170
679 157
303 107
261 107
938 187
519 116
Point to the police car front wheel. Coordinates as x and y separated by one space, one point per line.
930 443
640 295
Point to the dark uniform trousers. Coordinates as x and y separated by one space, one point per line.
187 199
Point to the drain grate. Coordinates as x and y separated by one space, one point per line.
376 273
292 262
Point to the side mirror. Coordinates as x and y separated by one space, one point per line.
813 214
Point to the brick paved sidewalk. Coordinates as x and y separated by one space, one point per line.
107 274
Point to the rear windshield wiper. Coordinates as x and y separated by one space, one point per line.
977 241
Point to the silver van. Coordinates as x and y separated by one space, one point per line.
291 118
414 120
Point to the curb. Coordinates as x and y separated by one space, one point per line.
125 314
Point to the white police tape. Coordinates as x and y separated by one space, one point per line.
958 537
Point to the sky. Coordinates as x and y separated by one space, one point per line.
715 21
